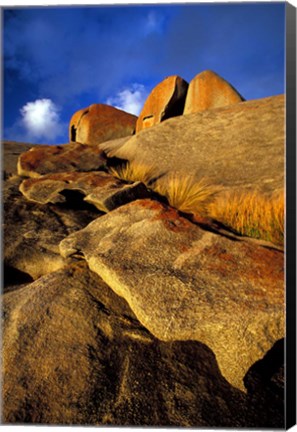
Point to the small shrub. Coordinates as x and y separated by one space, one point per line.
187 194
252 214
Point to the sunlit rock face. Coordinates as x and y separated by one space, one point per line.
74 353
99 123
207 91
166 100
118 309
240 146
101 189
183 283
71 157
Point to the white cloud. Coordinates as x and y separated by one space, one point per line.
41 119
130 99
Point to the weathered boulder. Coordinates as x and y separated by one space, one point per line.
71 157
32 232
99 123
240 147
109 197
49 188
102 190
166 100
207 91
185 283
74 353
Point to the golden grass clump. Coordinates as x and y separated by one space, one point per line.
187 194
252 214
134 171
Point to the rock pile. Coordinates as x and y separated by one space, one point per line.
119 310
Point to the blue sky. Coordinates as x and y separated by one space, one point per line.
61 59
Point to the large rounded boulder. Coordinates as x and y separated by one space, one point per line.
208 90
99 123
166 100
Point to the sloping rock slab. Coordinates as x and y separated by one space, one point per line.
166 100
184 283
48 188
207 91
110 197
32 232
241 146
74 353
60 158
100 189
99 123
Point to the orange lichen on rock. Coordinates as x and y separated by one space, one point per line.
208 90
166 100
99 123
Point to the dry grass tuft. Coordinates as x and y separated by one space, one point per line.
134 171
252 214
187 194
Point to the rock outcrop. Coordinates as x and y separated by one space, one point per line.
46 159
102 190
99 123
32 232
131 313
183 283
166 100
75 354
207 91
239 147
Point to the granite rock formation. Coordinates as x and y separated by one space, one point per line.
183 283
239 147
166 100
99 123
46 159
207 91
143 316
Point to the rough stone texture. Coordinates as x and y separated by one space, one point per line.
185 283
50 188
99 123
59 158
11 151
207 91
74 353
166 100
241 146
32 232
102 190
109 197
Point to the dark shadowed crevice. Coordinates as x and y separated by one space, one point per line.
13 276
73 133
75 201
176 105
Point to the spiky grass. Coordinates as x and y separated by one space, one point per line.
187 194
134 171
252 214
